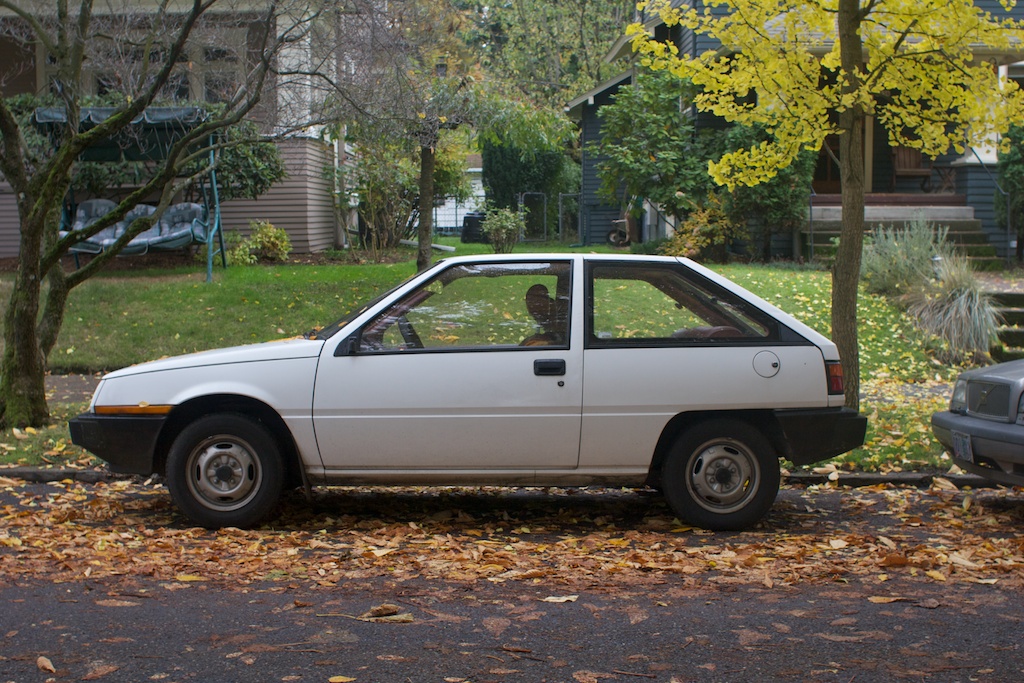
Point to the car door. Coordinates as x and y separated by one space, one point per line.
465 372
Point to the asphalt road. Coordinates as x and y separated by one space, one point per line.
845 623
138 631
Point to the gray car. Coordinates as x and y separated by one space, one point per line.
984 427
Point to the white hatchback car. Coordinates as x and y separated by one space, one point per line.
531 370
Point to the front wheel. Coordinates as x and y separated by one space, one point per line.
225 470
721 475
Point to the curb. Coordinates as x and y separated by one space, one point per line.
853 479
43 475
911 479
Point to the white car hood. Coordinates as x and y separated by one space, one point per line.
286 349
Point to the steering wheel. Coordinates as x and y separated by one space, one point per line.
412 340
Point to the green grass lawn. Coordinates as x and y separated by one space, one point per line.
122 318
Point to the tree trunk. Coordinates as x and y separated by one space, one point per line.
846 269
426 230
23 367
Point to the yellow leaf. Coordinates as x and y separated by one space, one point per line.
885 599
561 598
31 430
938 576
340 679
188 577
44 664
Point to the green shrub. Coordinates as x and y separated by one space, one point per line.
956 311
897 261
650 247
267 242
503 227
705 234
235 250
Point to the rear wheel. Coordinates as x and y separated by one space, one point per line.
225 470
721 475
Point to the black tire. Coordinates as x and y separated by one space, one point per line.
225 470
721 475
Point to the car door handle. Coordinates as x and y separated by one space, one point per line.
549 367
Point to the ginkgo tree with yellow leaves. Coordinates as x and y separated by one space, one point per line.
927 70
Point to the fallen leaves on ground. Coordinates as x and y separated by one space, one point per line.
562 538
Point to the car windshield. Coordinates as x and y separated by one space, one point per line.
324 333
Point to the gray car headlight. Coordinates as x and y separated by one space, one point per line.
958 403
1020 410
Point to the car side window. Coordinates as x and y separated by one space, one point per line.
662 303
503 305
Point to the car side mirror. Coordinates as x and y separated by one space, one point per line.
347 347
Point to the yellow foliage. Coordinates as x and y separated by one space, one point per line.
922 77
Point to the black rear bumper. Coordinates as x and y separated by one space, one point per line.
818 434
126 443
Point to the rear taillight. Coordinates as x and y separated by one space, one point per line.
834 374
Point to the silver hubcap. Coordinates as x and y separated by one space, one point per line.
723 475
223 473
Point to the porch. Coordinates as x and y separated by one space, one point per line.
952 210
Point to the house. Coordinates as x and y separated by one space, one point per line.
213 67
959 191
448 216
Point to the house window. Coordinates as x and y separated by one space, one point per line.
204 72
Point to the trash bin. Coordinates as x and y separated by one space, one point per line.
471 227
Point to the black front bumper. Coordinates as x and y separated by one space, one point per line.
819 434
126 443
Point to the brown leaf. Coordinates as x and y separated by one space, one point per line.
836 638
750 637
113 602
44 664
496 625
386 613
385 610
99 671
894 560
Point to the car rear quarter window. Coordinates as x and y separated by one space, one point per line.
664 304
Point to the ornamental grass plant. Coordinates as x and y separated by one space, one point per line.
955 310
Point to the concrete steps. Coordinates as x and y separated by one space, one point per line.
1011 333
963 229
